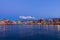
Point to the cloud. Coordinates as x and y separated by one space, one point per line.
26 17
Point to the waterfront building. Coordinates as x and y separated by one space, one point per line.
40 20
2 22
19 22
56 19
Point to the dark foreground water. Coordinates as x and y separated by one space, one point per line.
29 32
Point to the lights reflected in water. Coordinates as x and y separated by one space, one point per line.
28 30
58 26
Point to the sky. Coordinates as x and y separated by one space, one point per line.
12 9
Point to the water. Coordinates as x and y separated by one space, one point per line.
29 32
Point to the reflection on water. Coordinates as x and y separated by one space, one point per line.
2 31
58 27
30 31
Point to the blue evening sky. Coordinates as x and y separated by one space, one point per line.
12 9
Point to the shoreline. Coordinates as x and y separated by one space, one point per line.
29 24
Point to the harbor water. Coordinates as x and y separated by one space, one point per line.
29 32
